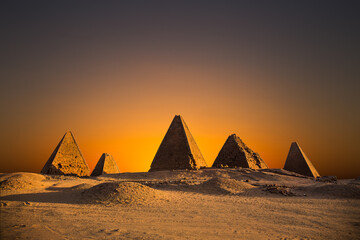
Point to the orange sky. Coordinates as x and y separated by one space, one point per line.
129 121
115 74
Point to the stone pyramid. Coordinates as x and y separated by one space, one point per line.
105 165
235 153
66 159
297 161
178 150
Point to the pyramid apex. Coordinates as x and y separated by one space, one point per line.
69 133
236 138
295 145
179 118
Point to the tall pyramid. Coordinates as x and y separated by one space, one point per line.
66 159
105 165
235 153
297 161
178 150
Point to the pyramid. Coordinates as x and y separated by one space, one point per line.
178 150
235 153
297 161
66 159
105 165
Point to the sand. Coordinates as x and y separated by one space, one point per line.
120 193
21 181
203 204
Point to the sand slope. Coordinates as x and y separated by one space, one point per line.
120 193
203 204
21 181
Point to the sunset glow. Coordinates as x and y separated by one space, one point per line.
117 80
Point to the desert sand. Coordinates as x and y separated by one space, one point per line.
232 203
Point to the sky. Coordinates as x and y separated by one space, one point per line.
115 73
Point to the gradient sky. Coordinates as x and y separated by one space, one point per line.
116 72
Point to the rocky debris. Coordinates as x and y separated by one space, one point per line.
276 189
21 181
66 159
18 226
132 234
119 193
297 161
105 165
355 181
178 150
235 154
181 182
215 185
328 179
283 172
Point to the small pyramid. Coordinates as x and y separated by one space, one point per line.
105 165
178 150
297 161
235 153
66 159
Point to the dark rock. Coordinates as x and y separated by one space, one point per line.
330 179
283 190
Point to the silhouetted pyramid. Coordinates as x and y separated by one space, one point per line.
105 165
235 153
178 150
297 161
66 159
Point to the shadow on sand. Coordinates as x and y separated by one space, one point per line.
57 195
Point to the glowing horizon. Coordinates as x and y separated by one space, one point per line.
132 159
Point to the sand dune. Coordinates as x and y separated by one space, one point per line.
205 204
119 192
21 181
225 185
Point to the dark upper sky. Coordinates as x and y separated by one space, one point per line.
272 71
